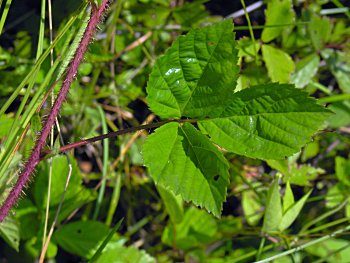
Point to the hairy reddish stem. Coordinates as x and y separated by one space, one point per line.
34 158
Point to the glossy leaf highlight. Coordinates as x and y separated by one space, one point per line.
267 122
197 75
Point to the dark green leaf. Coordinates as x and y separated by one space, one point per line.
9 231
82 237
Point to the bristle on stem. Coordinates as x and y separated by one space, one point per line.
34 158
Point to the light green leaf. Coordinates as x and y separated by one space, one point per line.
185 161
9 231
266 122
305 70
5 124
279 64
197 227
342 170
273 210
82 237
197 75
279 12
292 213
334 250
288 198
303 174
310 150
251 207
336 195
116 253
173 204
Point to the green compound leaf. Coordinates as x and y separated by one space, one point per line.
197 75
185 161
267 121
279 12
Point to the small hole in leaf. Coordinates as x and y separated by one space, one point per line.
79 231
216 177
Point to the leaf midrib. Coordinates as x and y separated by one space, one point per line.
201 166
210 57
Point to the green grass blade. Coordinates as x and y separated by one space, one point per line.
105 242
4 14
105 163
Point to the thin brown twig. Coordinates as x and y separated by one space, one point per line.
114 134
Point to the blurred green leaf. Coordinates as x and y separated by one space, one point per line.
288 198
252 207
319 30
278 63
82 237
279 12
335 250
197 227
9 231
292 213
306 69
273 209
116 253
342 170
310 150
189 14
341 117
5 124
173 204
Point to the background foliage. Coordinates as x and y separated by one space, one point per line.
271 206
